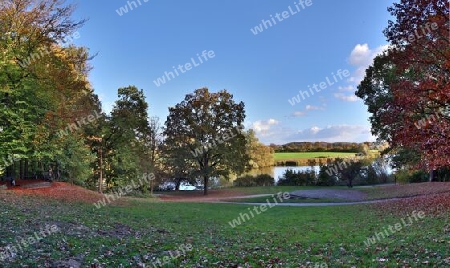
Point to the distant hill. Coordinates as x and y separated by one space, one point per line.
350 147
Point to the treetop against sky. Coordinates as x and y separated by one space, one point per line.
263 70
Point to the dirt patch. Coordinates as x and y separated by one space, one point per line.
119 231
350 195
71 263
6 184
37 185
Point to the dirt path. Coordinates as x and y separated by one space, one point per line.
314 204
214 197
345 195
351 195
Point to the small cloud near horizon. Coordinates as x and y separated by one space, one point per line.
313 108
279 134
298 114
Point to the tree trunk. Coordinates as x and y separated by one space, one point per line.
21 169
431 175
26 168
205 185
177 184
100 179
151 187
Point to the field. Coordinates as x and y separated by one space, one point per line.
143 232
309 155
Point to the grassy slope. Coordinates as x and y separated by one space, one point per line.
373 192
281 236
405 190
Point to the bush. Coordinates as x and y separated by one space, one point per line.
324 179
264 180
411 176
442 174
297 178
250 181
419 176
372 176
245 181
291 163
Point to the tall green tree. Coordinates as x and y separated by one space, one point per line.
206 129
43 83
126 138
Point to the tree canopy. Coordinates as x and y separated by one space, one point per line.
204 132
407 88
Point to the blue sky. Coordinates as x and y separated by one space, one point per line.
265 70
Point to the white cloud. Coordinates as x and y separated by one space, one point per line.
347 88
344 97
314 130
298 114
263 126
360 54
337 133
313 108
280 134
362 57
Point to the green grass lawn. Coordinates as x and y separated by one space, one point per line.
143 231
309 155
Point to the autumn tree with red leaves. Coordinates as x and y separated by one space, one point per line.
407 89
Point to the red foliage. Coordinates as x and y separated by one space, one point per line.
60 191
434 204
422 89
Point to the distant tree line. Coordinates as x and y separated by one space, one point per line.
351 147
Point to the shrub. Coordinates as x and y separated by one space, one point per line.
419 176
324 179
297 178
411 176
264 180
442 174
250 181
372 176
245 181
